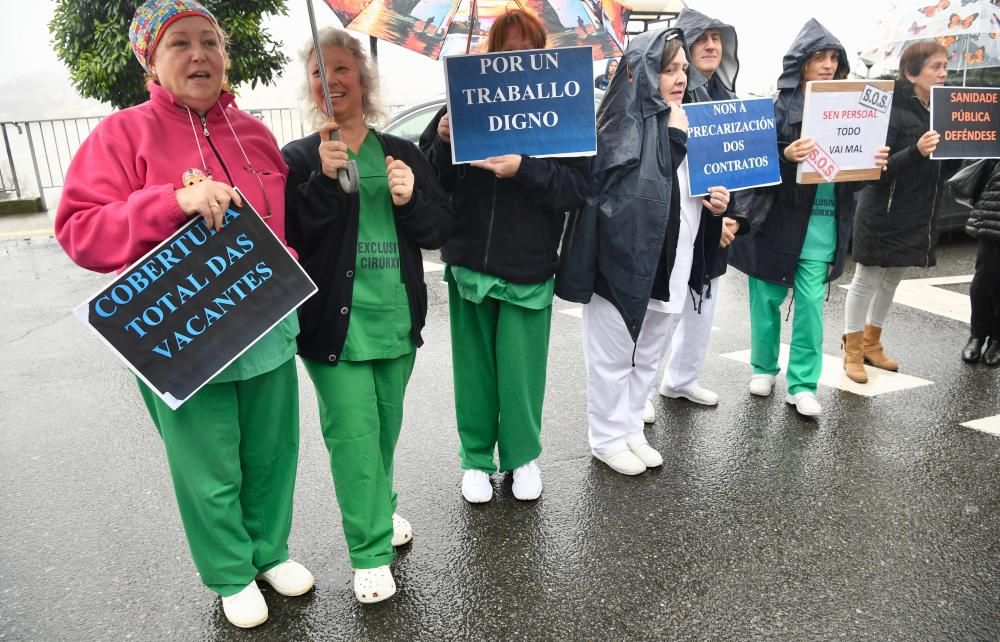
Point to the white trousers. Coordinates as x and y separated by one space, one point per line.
690 343
617 390
870 296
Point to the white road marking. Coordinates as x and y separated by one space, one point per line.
433 267
923 295
879 381
576 311
990 425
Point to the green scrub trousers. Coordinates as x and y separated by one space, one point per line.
361 414
232 449
805 360
499 353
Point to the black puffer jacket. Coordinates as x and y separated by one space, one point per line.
779 215
984 223
507 227
896 221
322 225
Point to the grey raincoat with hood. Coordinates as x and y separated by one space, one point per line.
616 241
779 215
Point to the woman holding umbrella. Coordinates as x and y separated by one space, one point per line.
144 172
502 258
361 331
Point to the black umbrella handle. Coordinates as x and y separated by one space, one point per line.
347 177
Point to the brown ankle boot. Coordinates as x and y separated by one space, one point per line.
854 359
873 350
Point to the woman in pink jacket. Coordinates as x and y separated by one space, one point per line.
232 448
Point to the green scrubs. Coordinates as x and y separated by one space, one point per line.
805 359
500 346
232 449
361 398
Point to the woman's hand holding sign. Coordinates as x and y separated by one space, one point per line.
444 129
882 158
717 200
501 166
400 178
209 199
928 143
799 150
677 118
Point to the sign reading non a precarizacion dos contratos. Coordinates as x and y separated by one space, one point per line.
732 144
197 301
536 102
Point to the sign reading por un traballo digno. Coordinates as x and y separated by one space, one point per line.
188 308
537 102
731 144
849 121
967 118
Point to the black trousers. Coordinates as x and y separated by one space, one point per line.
985 291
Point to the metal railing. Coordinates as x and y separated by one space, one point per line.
44 148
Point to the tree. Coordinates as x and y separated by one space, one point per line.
91 38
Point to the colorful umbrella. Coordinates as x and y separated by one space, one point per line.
968 28
442 27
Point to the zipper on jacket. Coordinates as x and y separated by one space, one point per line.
204 129
892 191
489 231
930 220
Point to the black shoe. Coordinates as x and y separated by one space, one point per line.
973 350
991 356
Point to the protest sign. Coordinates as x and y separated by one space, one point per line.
536 103
967 119
731 144
849 121
188 308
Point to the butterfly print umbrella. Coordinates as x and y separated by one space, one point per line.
970 29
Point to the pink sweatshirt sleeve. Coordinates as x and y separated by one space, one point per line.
108 215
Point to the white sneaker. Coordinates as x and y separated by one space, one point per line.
805 403
289 578
624 461
373 584
649 413
693 393
648 455
761 385
247 608
476 487
402 531
527 482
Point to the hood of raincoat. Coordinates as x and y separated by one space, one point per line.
694 24
621 230
812 37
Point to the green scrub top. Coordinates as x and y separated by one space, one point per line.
273 349
380 310
821 235
475 286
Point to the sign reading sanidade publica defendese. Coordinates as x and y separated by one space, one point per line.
187 309
849 121
536 103
731 144
967 118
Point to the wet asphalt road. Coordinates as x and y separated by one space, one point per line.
880 521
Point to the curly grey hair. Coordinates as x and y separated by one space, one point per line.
371 105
